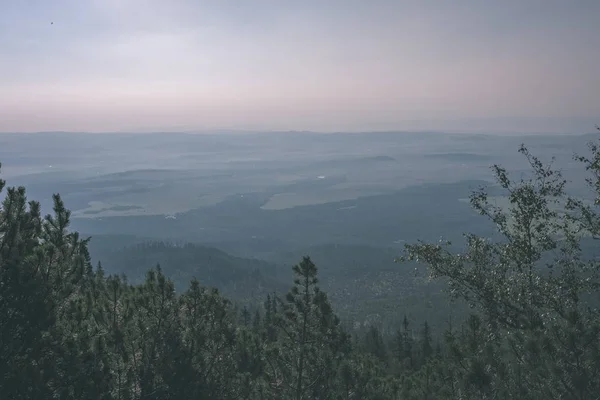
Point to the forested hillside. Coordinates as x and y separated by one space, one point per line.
367 288
243 280
363 283
71 330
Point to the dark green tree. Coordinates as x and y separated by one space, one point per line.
209 344
310 342
375 345
25 310
426 343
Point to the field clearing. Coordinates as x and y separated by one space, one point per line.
282 201
157 202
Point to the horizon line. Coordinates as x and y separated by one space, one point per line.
292 131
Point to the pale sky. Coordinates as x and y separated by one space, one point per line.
323 65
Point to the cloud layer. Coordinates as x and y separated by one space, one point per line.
104 65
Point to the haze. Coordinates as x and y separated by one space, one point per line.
136 65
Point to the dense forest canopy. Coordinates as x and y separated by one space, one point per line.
68 330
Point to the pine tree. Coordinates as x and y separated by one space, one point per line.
26 312
404 346
374 344
426 340
256 322
310 341
250 363
362 376
154 338
209 343
245 316
270 306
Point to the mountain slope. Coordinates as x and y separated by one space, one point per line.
366 286
242 279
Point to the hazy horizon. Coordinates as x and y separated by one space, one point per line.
110 66
571 128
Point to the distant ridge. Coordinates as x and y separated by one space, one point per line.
304 132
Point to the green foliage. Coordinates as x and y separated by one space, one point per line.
244 281
310 342
70 331
534 289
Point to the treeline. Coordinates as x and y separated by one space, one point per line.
363 284
68 331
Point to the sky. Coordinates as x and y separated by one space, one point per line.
321 65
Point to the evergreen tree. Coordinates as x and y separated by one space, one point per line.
426 346
25 311
362 376
256 322
404 346
310 341
209 337
245 316
374 344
